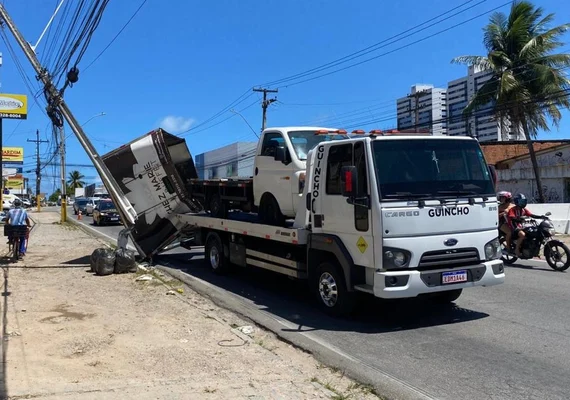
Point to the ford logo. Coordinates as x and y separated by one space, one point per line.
450 242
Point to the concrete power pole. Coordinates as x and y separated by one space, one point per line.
55 99
38 167
265 104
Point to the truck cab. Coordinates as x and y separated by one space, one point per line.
279 168
404 215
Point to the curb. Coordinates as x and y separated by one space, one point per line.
388 386
94 232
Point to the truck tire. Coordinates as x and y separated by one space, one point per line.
214 254
331 291
217 206
446 297
269 211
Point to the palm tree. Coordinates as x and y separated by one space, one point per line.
75 180
529 85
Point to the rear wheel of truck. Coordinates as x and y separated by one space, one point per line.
217 207
446 297
214 254
331 291
269 211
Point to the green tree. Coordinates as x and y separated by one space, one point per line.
55 196
75 180
529 86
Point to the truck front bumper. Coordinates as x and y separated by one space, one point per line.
405 284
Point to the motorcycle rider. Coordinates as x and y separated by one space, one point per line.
505 204
514 216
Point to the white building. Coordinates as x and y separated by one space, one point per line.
482 123
424 107
234 160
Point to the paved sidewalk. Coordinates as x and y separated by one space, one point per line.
68 334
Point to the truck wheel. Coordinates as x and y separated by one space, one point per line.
214 253
331 291
269 211
447 297
217 207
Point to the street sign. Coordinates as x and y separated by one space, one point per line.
13 106
11 171
12 155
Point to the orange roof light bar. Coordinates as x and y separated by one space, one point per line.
322 132
340 132
376 132
358 132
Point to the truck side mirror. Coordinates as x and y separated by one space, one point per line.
282 155
493 173
349 181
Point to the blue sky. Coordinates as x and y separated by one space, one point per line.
178 64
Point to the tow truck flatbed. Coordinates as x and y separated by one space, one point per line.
245 224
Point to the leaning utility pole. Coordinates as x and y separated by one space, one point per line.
265 104
55 101
38 167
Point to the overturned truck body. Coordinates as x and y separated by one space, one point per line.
153 172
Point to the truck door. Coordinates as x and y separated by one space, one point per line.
271 175
332 213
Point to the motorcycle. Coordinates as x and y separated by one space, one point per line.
537 236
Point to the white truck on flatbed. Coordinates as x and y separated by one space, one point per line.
390 215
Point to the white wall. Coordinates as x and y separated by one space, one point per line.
560 215
554 170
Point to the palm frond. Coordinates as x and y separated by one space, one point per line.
478 61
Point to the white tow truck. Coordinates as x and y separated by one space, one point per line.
395 216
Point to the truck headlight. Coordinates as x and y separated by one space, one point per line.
493 250
395 258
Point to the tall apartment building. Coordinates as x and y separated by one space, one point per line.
424 108
482 123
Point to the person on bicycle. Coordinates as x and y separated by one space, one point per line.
505 204
515 215
17 216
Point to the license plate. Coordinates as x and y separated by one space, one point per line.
454 277
114 219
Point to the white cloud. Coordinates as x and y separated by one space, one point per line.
173 124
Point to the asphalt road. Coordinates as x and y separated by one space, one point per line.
505 342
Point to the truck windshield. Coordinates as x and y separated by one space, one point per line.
305 141
424 168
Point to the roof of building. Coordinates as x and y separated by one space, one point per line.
496 152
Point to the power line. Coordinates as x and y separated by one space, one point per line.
381 44
117 35
396 49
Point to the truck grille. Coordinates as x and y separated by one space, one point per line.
449 258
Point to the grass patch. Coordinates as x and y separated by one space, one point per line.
210 390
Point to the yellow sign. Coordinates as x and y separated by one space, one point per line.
14 182
14 106
12 155
361 244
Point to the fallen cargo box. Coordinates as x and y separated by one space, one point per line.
153 172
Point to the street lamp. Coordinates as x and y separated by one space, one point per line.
245 120
101 114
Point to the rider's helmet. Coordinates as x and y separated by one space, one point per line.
504 197
520 200
17 203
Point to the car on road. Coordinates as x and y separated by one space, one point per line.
106 213
80 204
91 204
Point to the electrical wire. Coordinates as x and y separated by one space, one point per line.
383 43
396 49
117 35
